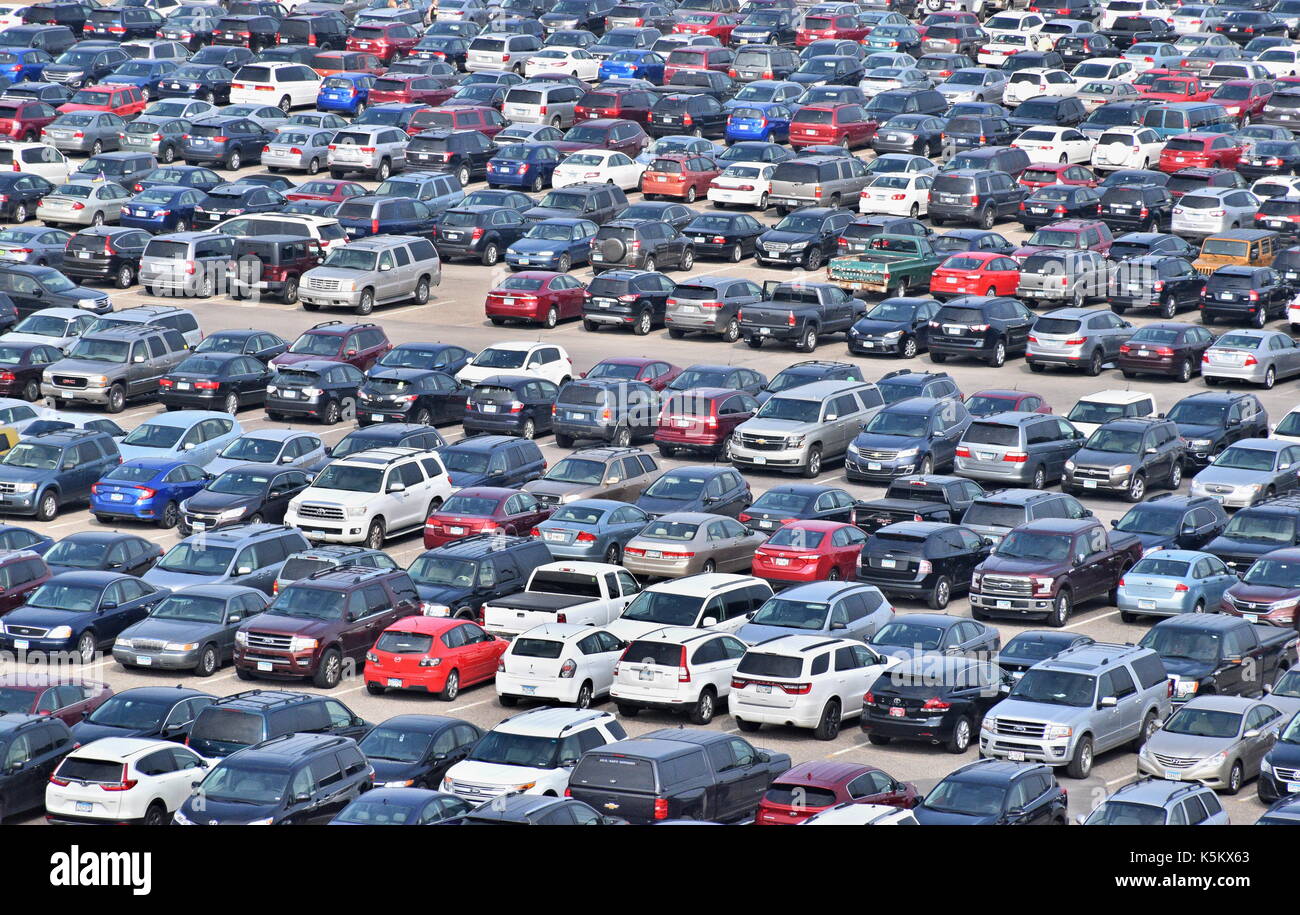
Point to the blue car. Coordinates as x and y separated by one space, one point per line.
610 523
143 74
146 489
346 92
759 122
190 176
20 65
553 244
13 537
635 63
197 435
528 165
1170 582
161 208
765 91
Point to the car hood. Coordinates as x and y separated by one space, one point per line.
870 326
782 236
171 630
63 68
566 492
1104 458
1037 711
927 817
60 342
391 770
294 358
1230 477
442 594
660 506
1155 541
539 213
1188 746
1197 430
999 565
219 501
25 474
484 773
878 441
1187 667
776 428
290 625
178 581
225 813
83 367
45 618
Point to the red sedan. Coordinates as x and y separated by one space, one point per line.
432 655
409 87
719 25
803 551
655 372
831 125
61 697
1045 174
682 177
535 296
1200 150
809 788
994 400
330 189
976 273
633 104
386 40
483 510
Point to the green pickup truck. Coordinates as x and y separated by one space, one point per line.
891 264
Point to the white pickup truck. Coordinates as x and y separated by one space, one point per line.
585 593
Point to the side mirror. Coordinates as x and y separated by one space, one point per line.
1251 734
1114 522
397 487
108 605
329 449
286 459
709 621
351 352
234 618
1107 702
244 570
302 798
188 446
1151 451
1081 819
138 359
839 625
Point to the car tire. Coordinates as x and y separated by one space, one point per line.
563 441
116 399
1168 307
1062 606
1137 488
627 711
828 726
234 161
1270 378
463 175
706 706
451 686
814 465
808 341
999 357
591 326
171 515
749 727
375 535
1236 776
366 304
736 254
552 317
959 741
32 391
508 701
209 661
86 646
987 218
491 254
643 324
614 555
1040 478
1175 475
1150 724
940 594
813 259
585 695
331 415
1080 764
907 348
1094 366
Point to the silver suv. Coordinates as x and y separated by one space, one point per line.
376 152
797 429
1080 702
818 181
1064 277
543 103
373 271
1081 338
108 366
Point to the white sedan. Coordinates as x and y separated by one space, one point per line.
743 184
1283 61
1105 68
896 195
574 61
599 166
1126 147
1054 144
996 51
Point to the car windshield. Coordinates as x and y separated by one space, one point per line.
969 798
909 425
492 358
1033 546
899 634
1055 687
151 435
800 224
77 553
1269 573
1185 644
791 409
190 609
317 344
240 483
676 485
663 608
577 470
72 598
126 710
1124 813
396 745
197 558
1197 413
35 457
407 357
987 405
460 504
440 571
309 603
1239 458
791 614
526 750
1092 411
349 479
94 350
669 530
1199 722
1139 520
250 448
239 784
1114 441
1288 684
465 461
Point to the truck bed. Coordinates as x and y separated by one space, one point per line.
538 601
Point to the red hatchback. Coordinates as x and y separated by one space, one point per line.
976 273
844 125
1243 98
654 372
484 510
432 655
719 25
408 87
803 551
22 120
1200 150
386 40
64 698
995 400
633 104
682 177
702 419
329 189
124 101
845 27
535 296
812 787
1045 174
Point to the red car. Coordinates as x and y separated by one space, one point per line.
125 101
682 177
535 296
719 25
810 788
702 419
487 121
483 510
1176 87
633 104
994 400
698 58
408 87
845 27
1090 235
330 189
1243 98
657 373
433 655
1203 150
23 120
803 551
386 40
626 136
831 125
1044 174
326 63
61 697
975 273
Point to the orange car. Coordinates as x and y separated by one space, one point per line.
433 655
124 101
683 177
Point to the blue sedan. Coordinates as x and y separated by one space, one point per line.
20 65
346 92
595 529
195 176
143 74
635 63
553 244
1169 582
161 208
769 122
146 489
79 611
528 165
13 537
197 436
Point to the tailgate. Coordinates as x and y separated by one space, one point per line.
768 317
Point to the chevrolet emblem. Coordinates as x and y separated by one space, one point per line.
761 441
611 806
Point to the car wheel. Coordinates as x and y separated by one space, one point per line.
491 254
1235 778
1270 378
97 220
313 167
331 415
1094 364
1176 475
209 661
584 696
941 594
814 465
31 391
231 404
365 304
167 155
330 670
908 347
641 326
1080 765
736 253
622 437
564 265
536 186
462 175
1150 724
709 566
986 219
614 554
125 277
1137 488
649 264
508 701
630 711
86 647
813 259
1040 478
116 399
959 741
156 815
1185 371
688 260
451 688
828 728
552 317
20 213
385 169
999 355
375 535
704 708
1168 307
762 201
1061 608
235 162
170 516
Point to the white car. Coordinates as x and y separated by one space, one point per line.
1098 92
57 327
677 669
1091 411
122 779
1032 82
1014 22
530 753
1154 55
709 600
287 85
1196 18
1119 9
525 357
850 814
18 414
559 662
902 164
1288 427
879 79
1105 68
897 195
745 184
996 51
1054 144
1126 147
1283 61
598 166
35 159
804 681
577 62
1276 186
189 109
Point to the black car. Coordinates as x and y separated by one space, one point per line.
1140 208
687 113
123 23
1270 157
32 747
31 288
1210 422
286 395
1075 49
252 32
1281 214
1162 281
981 196
943 700
1244 26
478 232
163 712
640 244
537 810
509 405
54 39
244 494
1049 110
975 132
463 153
1058 201
318 31
23 363
729 236
451 49
85 64
232 58
410 395
105 254
978 240
806 238
928 560
829 70
893 102
797 502
1245 296
898 326
677 215
704 375
103 551
1033 645
1143 244
416 750
983 327
994 792
226 200
19 194
1171 521
624 297
260 344
206 82
215 381
1127 31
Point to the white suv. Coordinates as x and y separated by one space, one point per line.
375 152
370 496
1092 411
91 784
519 357
533 752
561 662
710 600
804 681
679 669
290 85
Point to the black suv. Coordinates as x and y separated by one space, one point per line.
598 202
323 31
1136 208
403 395
478 232
383 435
105 254
614 411
463 153
1245 295
456 579
989 328
626 298
979 196
1161 281
805 238
696 114
509 405
31 746
241 720
1209 422
1171 521
1025 794
252 32
922 559
642 245
1127 456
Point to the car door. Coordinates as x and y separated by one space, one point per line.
27 763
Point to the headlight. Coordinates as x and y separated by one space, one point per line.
301 643
232 514
546 254
181 819
87 303
526 786
123 643
430 609
241 637
1252 488
179 646
357 511
97 381
892 335
989 724
263 822
446 784
1121 470
795 441
347 285
270 389
1069 465
908 453
1058 731
1186 687
24 487
59 632
1265 768
798 245
854 450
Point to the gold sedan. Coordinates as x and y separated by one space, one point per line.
684 543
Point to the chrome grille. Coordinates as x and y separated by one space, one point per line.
266 640
473 792
1174 762
1000 585
322 285
762 442
326 512
149 644
1014 727
878 455
1092 473
1287 775
30 631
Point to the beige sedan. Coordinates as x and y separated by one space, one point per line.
684 543
83 203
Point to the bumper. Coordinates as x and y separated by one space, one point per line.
330 299
1012 605
190 400
1074 358
933 729
95 395
725 195
644 698
164 660
661 568
554 688
870 346
1115 483
1251 373
794 716
324 530
859 469
295 407
584 432
18 643
784 332
281 160
789 458
280 665
686 441
1020 749
431 682
1012 471
1212 776
506 424
1153 606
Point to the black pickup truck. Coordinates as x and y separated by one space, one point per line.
1216 653
920 497
677 773
799 313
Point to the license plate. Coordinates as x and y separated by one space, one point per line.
1250 617
763 690
395 682
1016 755
21 643
85 255
1173 775
1293 787
898 713
760 460
377 417
144 661
265 665
889 563
764 331
530 690
182 385
575 415
116 497
554 536
984 455
780 562
653 554
645 675
1089 484
1144 352
489 408
289 394
85 806
199 526
456 530
1002 604
873 465
661 177
1146 605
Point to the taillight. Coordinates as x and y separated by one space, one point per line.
661 808
935 705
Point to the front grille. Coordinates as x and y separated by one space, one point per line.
1014 727
993 584
322 285
762 443
8 488
878 455
547 498
268 642
1174 762
69 381
1092 473
776 246
30 631
325 512
473 792
149 644
1287 775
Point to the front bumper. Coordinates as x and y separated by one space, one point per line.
88 394
276 665
336 299
1208 772
328 530
1013 605
861 469
785 458
164 660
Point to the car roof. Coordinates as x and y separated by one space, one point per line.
547 721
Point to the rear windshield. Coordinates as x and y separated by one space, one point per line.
548 649
992 434
587 395
1047 325
993 514
662 654
604 770
946 184
758 664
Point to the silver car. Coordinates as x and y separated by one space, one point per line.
974 84
159 135
190 109
1259 356
547 102
83 203
1214 210
277 447
373 271
878 79
300 148
268 117
685 543
1248 471
373 151
798 428
1218 741
1081 338
85 132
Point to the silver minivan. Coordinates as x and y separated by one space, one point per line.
501 51
818 181
799 428
187 263
543 103
1028 449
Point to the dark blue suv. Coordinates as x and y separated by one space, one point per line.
493 460
79 611
46 471
992 792
1171 521
456 579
